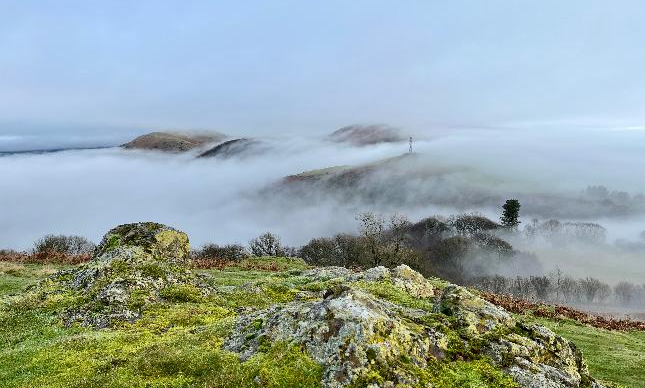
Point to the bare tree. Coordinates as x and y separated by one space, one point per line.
591 287
266 244
625 291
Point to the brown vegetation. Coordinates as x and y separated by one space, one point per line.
44 258
539 309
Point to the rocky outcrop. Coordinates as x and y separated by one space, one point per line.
357 332
134 266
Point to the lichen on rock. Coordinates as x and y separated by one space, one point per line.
349 332
363 339
134 266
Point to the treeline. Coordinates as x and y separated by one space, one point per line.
451 247
559 233
560 288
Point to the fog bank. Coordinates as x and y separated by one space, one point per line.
226 200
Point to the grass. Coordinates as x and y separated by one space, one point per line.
179 343
16 277
613 356
175 344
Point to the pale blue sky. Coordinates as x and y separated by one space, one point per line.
87 68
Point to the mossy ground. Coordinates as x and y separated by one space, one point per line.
178 343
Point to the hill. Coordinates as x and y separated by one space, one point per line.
236 147
362 135
419 180
174 141
138 315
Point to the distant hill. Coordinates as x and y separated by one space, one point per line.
174 141
419 180
236 147
362 135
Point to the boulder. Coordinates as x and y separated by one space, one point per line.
134 266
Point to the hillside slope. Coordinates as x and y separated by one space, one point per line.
236 148
420 180
137 315
363 135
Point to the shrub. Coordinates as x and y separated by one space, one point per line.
231 252
321 251
67 245
267 244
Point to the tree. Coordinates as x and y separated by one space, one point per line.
385 238
511 214
625 291
267 244
471 224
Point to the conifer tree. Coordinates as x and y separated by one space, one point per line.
511 214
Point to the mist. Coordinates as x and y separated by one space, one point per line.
86 192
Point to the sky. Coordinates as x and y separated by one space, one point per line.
100 72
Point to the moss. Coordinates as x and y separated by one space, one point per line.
392 293
128 358
473 374
464 374
138 299
119 267
152 270
113 242
182 293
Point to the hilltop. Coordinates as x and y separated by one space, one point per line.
174 141
362 135
139 315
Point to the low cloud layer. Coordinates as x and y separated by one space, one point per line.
226 200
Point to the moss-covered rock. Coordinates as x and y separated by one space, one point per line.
160 241
135 266
394 328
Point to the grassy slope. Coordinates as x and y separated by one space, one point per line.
16 277
617 357
179 344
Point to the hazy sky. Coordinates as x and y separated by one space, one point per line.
114 68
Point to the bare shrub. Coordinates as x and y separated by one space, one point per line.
267 244
68 245
232 252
